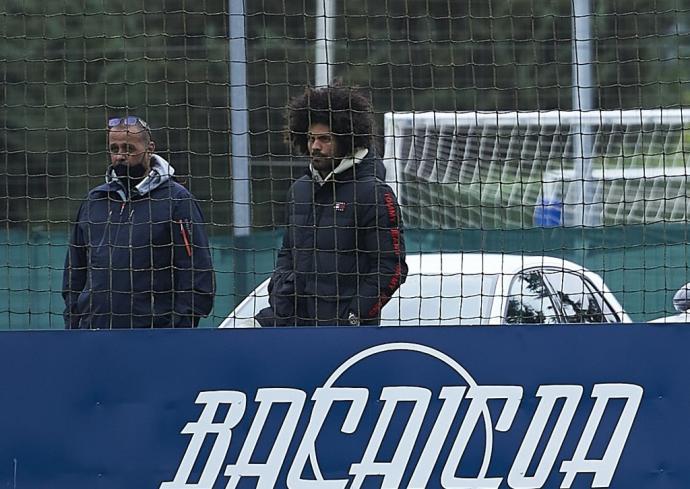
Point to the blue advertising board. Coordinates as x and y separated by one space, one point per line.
467 407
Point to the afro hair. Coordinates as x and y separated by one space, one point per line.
347 113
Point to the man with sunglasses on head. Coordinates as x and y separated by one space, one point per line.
138 255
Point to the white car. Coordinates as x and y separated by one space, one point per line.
482 288
683 317
681 303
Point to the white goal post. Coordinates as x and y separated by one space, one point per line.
499 169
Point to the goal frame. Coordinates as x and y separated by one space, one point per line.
583 209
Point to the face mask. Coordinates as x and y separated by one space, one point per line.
133 172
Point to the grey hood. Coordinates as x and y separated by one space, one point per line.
344 165
161 171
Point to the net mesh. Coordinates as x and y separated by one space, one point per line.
600 181
506 170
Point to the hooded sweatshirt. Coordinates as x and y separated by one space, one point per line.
138 257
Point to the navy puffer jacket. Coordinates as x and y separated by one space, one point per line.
343 252
138 259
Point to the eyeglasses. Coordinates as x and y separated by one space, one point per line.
130 120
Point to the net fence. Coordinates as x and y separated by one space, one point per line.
507 128
520 169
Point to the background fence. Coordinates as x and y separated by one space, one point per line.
67 66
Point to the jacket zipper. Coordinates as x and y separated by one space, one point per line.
120 222
107 228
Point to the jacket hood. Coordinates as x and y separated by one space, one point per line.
161 171
364 159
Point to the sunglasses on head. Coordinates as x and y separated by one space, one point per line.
131 120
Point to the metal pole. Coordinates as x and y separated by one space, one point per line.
325 32
583 100
583 89
239 119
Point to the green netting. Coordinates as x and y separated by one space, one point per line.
67 66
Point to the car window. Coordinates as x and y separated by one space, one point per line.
529 300
579 303
441 300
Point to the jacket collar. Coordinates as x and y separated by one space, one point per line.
344 165
161 171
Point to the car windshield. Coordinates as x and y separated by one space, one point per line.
441 300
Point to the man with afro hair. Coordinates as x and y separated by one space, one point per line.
343 252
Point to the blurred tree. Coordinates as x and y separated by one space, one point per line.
67 66
468 55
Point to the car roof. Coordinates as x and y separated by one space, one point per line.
475 263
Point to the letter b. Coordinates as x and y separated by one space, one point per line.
204 426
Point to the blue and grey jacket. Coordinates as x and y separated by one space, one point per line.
138 258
